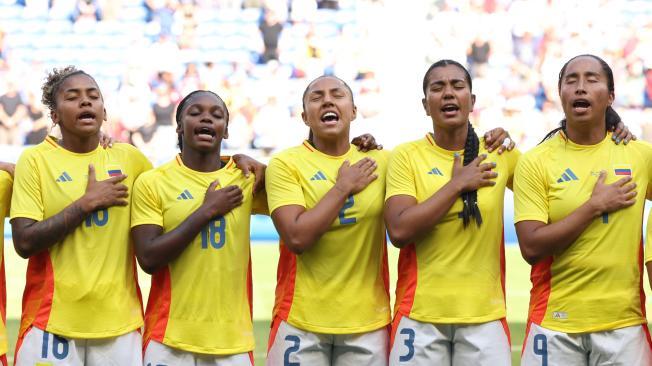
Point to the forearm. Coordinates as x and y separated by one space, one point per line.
31 237
417 220
306 229
157 252
550 239
648 265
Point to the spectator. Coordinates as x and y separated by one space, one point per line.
38 122
12 112
270 29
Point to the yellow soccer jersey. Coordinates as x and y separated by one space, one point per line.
452 274
596 283
6 182
340 285
84 286
201 302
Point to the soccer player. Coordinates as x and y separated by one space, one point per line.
332 301
190 224
444 209
81 303
579 204
6 182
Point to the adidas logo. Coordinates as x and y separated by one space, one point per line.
185 195
435 171
64 177
567 176
318 176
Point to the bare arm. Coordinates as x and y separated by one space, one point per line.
539 240
31 236
155 249
408 220
300 228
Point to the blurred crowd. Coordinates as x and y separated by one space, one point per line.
260 54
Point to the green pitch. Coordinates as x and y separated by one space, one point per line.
264 259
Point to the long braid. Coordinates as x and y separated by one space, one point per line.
470 199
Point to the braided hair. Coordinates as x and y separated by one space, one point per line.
470 207
305 93
611 117
53 82
182 105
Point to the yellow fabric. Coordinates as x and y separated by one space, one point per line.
595 283
95 290
340 283
209 309
458 269
6 182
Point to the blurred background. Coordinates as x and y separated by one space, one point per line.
259 55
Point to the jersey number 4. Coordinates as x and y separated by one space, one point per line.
214 233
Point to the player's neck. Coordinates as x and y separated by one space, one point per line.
451 139
335 147
79 144
201 161
585 133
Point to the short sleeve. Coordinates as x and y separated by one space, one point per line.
26 201
282 185
146 204
400 175
530 191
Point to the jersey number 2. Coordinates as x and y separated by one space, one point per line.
342 215
214 233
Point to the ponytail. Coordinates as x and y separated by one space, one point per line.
470 207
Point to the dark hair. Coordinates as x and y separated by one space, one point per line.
305 93
53 82
443 63
611 117
182 105
470 207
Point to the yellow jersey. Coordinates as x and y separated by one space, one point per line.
452 274
6 182
340 285
84 286
201 301
595 284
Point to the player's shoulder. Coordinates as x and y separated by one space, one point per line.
157 173
125 149
5 178
291 154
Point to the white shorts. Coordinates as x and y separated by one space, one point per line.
418 343
43 348
159 354
292 346
624 346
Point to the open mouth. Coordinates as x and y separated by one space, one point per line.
86 116
330 117
450 109
205 132
581 103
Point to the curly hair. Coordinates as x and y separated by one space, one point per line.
53 82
